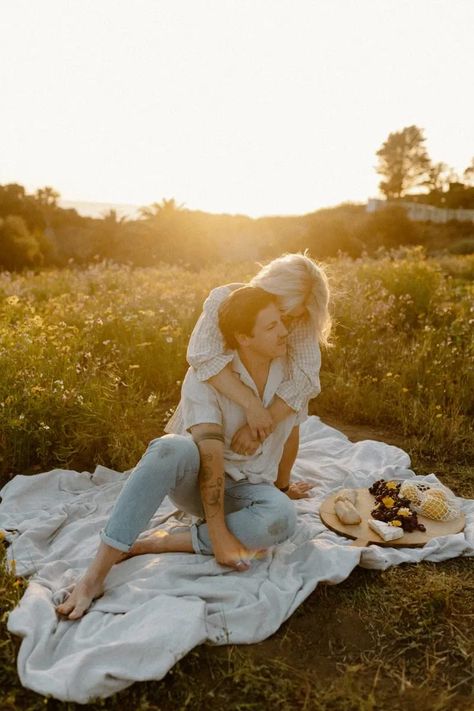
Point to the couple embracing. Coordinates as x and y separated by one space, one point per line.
230 446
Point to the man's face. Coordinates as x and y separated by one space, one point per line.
269 334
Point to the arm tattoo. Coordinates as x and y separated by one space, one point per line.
212 486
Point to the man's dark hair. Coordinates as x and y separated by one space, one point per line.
238 312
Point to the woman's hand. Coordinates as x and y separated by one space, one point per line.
259 420
299 490
243 442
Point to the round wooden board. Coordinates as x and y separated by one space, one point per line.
364 535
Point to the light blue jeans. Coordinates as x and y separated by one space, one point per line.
259 515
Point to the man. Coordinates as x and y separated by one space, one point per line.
239 498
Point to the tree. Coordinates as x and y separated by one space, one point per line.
15 201
108 236
47 197
439 177
165 207
18 247
469 174
389 228
403 162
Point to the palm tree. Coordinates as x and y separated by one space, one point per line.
47 197
165 207
111 218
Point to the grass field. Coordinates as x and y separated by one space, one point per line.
92 362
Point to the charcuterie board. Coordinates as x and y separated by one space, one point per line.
364 536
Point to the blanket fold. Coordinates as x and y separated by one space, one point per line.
156 608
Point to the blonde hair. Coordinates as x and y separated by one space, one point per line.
298 280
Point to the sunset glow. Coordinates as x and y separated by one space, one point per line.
250 106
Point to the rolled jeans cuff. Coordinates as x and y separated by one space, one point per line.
124 547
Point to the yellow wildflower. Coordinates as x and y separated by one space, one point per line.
388 501
395 523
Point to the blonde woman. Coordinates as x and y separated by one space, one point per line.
302 288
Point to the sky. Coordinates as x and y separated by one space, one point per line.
257 107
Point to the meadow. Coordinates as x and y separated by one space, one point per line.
91 365
93 359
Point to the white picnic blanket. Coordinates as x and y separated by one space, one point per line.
157 608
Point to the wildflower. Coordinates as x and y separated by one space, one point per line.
388 375
404 390
169 339
151 398
13 300
388 501
438 416
404 511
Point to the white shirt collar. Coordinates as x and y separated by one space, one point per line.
276 375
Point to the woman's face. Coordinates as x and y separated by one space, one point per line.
289 316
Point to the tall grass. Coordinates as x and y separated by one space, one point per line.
91 360
404 354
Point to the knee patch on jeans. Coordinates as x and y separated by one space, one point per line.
283 521
171 444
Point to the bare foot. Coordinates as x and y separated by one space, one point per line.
80 599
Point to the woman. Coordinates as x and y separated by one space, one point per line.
303 292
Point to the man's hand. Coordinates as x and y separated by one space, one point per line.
243 442
258 419
228 550
299 490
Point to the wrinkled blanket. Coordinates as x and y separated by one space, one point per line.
158 607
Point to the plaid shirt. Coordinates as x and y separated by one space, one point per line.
208 355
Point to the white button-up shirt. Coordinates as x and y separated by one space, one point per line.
202 403
207 354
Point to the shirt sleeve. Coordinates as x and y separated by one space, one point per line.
302 415
207 352
199 402
304 363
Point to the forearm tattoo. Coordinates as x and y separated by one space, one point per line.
212 486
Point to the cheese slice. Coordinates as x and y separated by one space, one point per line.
385 531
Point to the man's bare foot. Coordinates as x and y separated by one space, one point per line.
79 600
